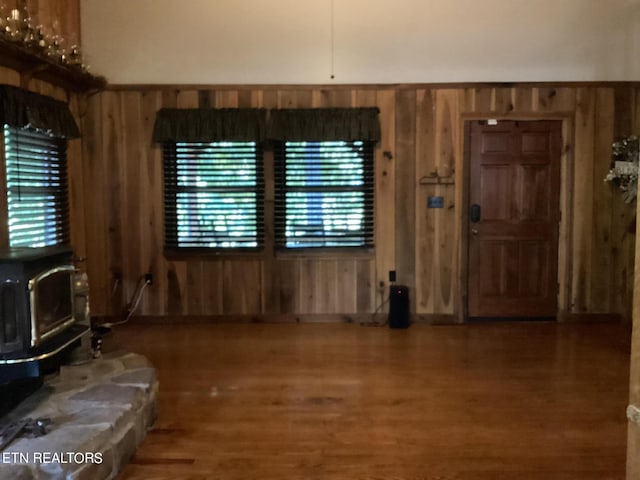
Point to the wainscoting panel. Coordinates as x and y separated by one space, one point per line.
423 139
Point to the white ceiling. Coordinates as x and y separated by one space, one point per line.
375 41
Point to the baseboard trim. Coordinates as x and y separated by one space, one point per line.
356 318
590 318
266 318
436 319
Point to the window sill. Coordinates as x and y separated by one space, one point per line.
327 253
319 253
211 254
23 253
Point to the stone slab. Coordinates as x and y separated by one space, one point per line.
100 411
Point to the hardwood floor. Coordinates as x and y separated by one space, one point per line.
517 401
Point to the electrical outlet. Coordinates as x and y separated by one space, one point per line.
148 278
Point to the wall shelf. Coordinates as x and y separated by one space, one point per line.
30 64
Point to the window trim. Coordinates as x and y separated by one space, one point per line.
280 220
63 207
4 200
171 248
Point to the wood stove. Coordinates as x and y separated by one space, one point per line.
37 322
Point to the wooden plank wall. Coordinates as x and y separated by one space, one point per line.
62 17
629 106
65 14
422 135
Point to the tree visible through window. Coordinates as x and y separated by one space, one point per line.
213 195
324 194
36 174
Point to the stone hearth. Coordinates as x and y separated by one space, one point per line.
100 411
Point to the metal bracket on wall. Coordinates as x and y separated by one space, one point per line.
435 179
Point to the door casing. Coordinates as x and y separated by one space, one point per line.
566 207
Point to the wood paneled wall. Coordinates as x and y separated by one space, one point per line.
633 425
67 15
422 135
63 16
74 157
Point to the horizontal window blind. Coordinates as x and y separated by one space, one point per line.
213 195
324 194
36 170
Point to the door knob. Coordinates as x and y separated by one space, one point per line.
474 231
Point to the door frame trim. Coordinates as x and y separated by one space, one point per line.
565 203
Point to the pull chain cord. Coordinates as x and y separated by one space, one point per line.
333 35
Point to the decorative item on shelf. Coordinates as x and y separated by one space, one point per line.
31 39
30 30
624 167
15 26
4 14
21 28
74 55
41 40
56 49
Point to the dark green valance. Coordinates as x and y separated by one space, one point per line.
21 108
210 125
325 124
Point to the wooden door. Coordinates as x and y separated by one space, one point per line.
513 218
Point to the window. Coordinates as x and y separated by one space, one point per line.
36 174
213 195
324 194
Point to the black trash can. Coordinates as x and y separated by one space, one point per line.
399 306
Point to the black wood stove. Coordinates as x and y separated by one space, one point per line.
38 328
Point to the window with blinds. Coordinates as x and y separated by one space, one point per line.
37 201
324 194
214 194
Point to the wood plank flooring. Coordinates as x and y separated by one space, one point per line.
517 401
